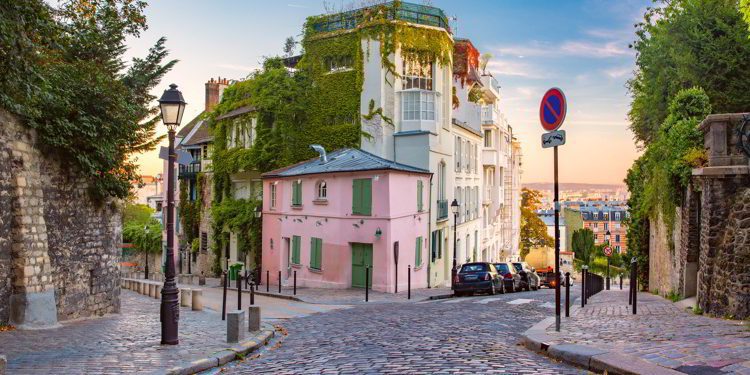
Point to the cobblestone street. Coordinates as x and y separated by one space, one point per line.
471 335
661 333
114 344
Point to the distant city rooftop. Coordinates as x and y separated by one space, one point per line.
414 13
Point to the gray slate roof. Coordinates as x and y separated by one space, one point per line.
343 160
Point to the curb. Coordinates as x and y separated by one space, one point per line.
225 356
293 298
596 360
442 296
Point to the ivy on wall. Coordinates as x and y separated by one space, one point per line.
190 211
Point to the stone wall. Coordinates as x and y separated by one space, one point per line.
59 251
710 258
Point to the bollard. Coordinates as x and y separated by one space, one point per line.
142 287
583 287
408 283
635 286
295 282
185 297
252 294
224 300
567 294
630 287
158 291
620 281
151 290
253 318
268 281
235 326
239 291
197 295
367 283
279 282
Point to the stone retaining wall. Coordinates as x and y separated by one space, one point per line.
59 250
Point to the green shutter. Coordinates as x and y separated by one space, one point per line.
356 196
419 196
296 193
316 252
418 253
362 196
295 249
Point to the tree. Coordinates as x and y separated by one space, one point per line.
687 43
484 60
583 245
533 230
69 82
134 213
146 238
745 8
289 45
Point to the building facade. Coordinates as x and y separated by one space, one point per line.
607 218
330 220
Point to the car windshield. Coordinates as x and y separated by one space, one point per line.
518 266
474 268
502 268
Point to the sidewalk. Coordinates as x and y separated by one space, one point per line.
125 343
661 338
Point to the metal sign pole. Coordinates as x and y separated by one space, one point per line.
557 250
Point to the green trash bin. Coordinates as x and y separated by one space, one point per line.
234 270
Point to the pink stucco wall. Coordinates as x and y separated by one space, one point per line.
394 211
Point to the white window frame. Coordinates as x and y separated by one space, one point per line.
415 76
272 193
321 190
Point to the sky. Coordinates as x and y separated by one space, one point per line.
580 46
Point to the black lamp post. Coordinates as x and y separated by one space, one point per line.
454 209
606 239
145 254
172 106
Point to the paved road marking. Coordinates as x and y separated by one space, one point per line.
520 301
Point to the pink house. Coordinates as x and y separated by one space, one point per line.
331 217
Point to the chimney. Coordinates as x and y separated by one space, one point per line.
214 89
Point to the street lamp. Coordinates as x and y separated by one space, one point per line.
606 239
172 106
454 209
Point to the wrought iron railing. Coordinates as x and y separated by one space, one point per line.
414 13
189 170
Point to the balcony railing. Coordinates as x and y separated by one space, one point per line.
414 13
442 212
190 170
489 115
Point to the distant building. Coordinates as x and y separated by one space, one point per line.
329 219
603 218
548 217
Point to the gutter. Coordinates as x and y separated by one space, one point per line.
429 233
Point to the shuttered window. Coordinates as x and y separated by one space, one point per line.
295 249
419 196
296 193
418 253
362 196
316 253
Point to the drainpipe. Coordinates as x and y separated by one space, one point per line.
429 232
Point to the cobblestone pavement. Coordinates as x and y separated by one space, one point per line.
462 335
660 333
114 344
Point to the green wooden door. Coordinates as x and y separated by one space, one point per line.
361 257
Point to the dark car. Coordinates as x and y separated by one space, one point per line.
511 278
477 278
529 278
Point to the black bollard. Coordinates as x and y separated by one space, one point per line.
635 286
408 283
268 280
239 291
620 281
224 300
252 294
630 286
367 283
567 294
279 282
295 282
583 288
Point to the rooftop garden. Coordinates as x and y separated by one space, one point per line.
394 10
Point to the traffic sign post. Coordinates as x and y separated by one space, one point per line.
552 113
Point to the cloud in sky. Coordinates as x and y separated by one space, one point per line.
515 68
618 72
241 68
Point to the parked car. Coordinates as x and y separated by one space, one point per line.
478 277
529 278
511 278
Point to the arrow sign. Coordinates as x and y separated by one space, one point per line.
553 139
183 157
552 110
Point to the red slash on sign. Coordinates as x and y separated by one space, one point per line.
553 109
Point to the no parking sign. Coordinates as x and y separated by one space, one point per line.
553 109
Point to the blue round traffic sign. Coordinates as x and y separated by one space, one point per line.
552 110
